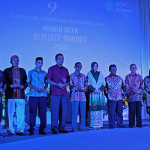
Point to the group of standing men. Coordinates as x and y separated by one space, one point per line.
14 81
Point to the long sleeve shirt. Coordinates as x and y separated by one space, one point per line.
114 87
134 86
78 81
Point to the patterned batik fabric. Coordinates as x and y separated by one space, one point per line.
80 82
134 86
97 101
16 80
148 99
147 88
96 119
114 86
147 83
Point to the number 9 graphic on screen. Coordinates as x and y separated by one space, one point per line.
52 7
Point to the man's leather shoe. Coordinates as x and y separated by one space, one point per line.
63 131
120 126
10 133
20 133
74 130
31 131
42 132
54 131
139 126
82 129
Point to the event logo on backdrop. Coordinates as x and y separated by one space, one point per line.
123 6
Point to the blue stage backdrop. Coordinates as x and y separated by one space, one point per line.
105 31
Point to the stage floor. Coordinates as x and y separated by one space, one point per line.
105 139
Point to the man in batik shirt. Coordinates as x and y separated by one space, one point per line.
114 90
15 84
134 86
147 89
78 86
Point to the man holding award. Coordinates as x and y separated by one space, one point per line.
134 87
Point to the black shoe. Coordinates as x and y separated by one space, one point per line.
111 127
10 133
20 133
139 126
74 130
63 131
31 131
120 126
54 131
131 126
42 132
82 129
